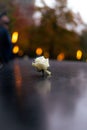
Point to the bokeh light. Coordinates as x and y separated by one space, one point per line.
39 51
60 57
79 54
15 49
14 37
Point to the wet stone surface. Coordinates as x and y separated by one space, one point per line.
29 101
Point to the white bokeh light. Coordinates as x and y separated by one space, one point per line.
79 6
50 3
38 3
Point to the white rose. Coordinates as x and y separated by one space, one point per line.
42 63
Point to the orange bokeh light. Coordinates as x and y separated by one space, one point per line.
60 57
39 51
15 49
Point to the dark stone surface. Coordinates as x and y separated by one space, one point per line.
29 101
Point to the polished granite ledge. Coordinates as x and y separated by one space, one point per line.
29 101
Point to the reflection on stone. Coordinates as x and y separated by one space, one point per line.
18 78
31 102
43 87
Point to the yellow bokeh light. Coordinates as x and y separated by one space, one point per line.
79 54
60 57
39 51
15 49
14 37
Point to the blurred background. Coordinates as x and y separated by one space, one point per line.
56 29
